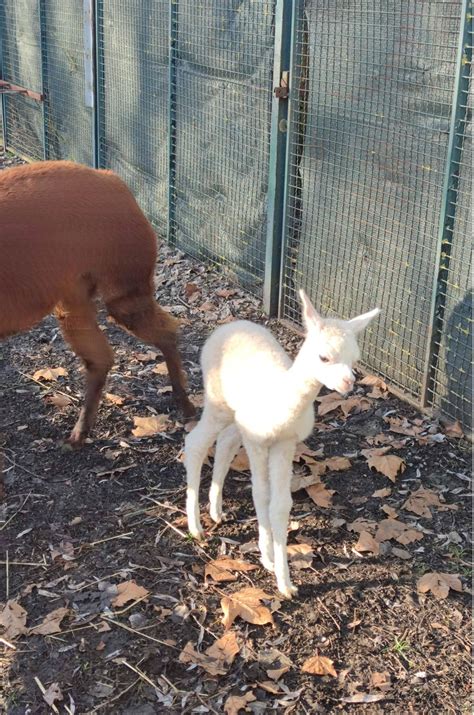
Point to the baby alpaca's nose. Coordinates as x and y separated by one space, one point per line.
348 383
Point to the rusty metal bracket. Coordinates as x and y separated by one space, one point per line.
282 91
9 88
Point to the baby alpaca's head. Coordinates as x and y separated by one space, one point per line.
330 348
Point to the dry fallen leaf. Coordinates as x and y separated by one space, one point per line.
400 425
401 553
50 373
221 569
454 430
149 426
160 369
114 399
128 591
13 619
392 529
389 510
301 482
59 400
215 659
52 694
367 543
380 680
304 454
320 495
246 604
147 357
439 584
388 464
224 648
319 665
337 464
331 402
419 502
240 463
382 493
361 524
235 703
300 555
379 387
50 624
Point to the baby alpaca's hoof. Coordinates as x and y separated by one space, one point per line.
267 564
216 516
197 534
288 591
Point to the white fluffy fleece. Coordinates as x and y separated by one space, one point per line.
255 395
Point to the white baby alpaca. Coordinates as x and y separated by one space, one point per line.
255 395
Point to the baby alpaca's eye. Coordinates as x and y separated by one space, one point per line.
323 358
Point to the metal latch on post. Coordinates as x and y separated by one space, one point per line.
282 91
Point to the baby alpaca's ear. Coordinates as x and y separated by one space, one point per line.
361 322
311 317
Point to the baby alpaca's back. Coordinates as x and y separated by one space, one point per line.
241 357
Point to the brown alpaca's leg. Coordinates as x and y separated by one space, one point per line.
77 317
142 316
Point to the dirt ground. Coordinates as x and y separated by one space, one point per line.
109 607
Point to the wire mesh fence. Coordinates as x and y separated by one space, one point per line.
377 175
369 141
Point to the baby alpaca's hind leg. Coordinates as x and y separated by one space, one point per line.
196 448
228 444
280 463
258 458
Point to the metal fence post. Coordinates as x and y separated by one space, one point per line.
90 74
172 62
459 113
3 104
44 76
282 82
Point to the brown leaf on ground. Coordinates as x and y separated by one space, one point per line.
301 482
400 425
361 524
454 430
149 356
379 387
337 464
114 399
389 510
439 584
387 464
320 495
300 555
235 703
221 569
393 529
419 502
215 659
50 373
375 451
128 591
52 694
59 400
382 493
380 680
149 426
333 401
160 369
303 453
319 665
224 648
240 463
247 605
190 289
367 543
50 623
13 620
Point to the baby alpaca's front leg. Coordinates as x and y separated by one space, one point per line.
258 458
280 464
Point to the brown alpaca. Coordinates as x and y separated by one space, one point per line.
67 233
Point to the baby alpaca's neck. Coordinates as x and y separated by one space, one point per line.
301 386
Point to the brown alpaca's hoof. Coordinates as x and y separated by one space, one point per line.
76 439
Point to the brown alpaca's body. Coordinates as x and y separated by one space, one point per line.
68 233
